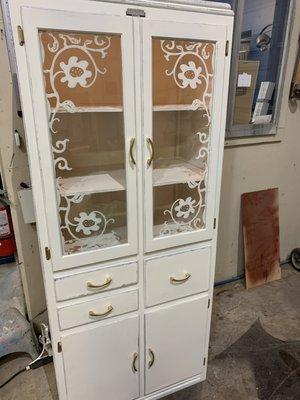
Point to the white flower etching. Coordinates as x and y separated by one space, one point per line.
88 223
75 71
189 75
185 208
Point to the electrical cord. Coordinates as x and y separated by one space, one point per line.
12 377
39 362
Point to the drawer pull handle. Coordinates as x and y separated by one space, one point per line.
149 161
175 281
132 140
103 314
103 285
152 358
135 358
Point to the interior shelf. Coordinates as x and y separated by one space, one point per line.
114 181
167 107
176 173
173 107
91 109
115 237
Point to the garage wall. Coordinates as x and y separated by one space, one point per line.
259 166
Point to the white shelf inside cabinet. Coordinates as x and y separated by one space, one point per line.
113 181
177 173
90 109
173 107
115 237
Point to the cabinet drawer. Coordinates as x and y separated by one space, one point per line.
98 309
177 275
99 280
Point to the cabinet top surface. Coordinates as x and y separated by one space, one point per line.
206 6
197 4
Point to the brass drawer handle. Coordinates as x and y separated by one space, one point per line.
107 282
152 358
175 281
135 358
132 141
104 314
149 161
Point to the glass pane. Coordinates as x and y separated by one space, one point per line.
263 28
83 84
182 91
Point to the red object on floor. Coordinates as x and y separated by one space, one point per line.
260 215
7 238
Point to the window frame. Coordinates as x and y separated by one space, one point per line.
254 131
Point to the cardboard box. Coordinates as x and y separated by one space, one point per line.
261 108
244 94
266 91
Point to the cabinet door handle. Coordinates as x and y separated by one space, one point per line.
107 282
152 358
135 358
103 314
149 161
132 141
175 281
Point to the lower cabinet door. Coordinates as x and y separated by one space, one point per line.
101 362
175 343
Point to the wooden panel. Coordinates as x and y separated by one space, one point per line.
159 270
261 236
98 361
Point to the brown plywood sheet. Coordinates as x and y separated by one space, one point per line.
261 236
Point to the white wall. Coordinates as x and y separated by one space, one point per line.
15 169
260 166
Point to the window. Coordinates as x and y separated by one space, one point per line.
260 32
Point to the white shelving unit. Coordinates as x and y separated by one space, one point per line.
129 269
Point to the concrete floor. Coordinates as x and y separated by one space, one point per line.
11 291
254 351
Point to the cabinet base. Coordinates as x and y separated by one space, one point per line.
175 388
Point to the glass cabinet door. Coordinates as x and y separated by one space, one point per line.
82 89
181 121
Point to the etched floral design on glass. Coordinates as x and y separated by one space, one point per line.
75 72
78 68
182 89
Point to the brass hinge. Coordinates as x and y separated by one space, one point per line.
227 48
47 253
59 347
135 12
204 360
215 223
208 304
21 35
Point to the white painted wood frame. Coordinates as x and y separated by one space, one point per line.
79 351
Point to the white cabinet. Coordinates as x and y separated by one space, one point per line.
102 362
124 109
175 343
